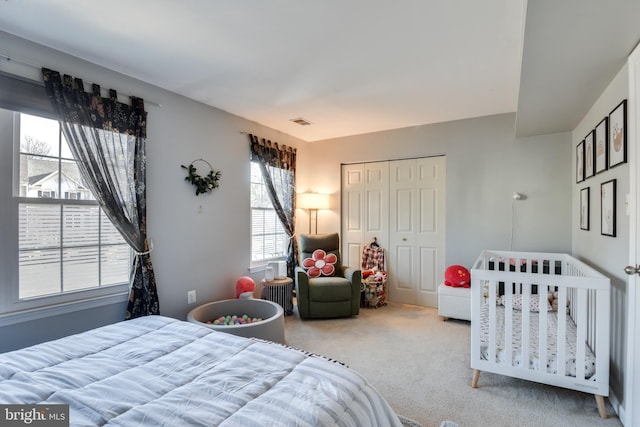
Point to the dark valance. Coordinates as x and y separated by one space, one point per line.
271 154
92 110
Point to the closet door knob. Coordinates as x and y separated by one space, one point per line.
631 270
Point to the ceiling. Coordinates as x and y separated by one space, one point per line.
351 67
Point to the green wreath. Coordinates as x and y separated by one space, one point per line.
204 184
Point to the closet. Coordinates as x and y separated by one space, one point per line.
401 203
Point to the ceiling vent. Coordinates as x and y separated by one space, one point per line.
300 121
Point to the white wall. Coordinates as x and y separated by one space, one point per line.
201 243
608 254
485 165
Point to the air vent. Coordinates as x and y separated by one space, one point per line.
300 121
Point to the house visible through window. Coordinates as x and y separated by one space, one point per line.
268 238
65 242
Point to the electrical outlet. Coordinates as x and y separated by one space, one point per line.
191 297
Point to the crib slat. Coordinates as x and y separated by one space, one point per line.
508 325
492 320
581 332
526 325
591 315
561 349
478 299
542 328
602 351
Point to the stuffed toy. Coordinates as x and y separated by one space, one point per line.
367 273
553 300
457 276
374 275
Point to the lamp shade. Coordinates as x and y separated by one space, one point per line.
312 201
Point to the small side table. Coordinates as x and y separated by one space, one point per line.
279 291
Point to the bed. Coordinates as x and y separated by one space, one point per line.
541 317
158 371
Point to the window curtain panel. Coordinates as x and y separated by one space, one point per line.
278 167
107 138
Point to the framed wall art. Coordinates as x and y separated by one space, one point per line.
589 155
618 135
584 209
601 144
608 208
580 162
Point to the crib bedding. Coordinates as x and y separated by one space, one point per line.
158 371
534 357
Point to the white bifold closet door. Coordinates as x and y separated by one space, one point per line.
365 208
417 229
402 204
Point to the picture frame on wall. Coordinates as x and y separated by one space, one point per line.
608 208
580 162
618 135
584 208
601 145
589 155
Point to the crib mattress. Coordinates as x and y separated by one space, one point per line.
534 357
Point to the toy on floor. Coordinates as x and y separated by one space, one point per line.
245 284
457 276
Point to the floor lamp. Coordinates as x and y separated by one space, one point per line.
312 202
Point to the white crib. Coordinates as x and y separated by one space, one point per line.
504 284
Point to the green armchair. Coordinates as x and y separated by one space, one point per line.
326 297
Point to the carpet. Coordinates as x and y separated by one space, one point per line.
421 365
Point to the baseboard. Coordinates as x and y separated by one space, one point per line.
617 407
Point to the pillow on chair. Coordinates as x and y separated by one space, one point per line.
320 264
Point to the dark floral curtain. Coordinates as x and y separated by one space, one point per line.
278 167
108 138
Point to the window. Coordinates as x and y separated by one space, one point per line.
58 253
268 238
65 244
74 195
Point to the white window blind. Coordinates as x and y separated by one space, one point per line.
64 244
268 238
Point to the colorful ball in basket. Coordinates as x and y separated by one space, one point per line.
457 276
245 284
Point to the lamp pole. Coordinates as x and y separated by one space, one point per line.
314 213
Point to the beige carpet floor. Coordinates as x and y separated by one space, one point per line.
420 364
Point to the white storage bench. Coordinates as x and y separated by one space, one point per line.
454 303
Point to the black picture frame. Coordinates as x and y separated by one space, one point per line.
584 209
601 145
580 162
589 155
608 208
617 146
